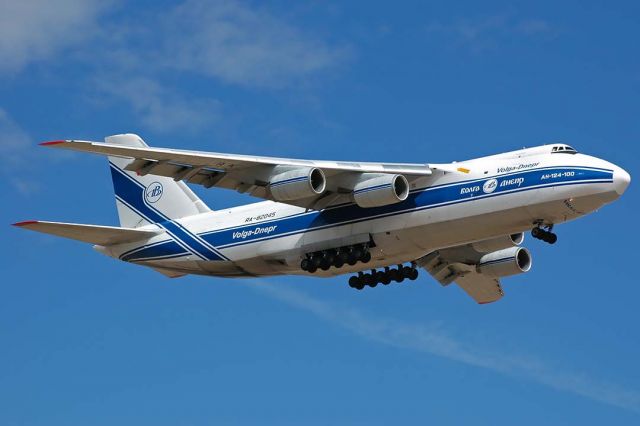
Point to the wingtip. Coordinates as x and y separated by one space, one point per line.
50 143
24 223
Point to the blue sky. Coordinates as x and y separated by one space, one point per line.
85 339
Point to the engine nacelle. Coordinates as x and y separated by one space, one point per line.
380 190
498 243
296 184
502 263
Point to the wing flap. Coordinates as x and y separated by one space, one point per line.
481 288
94 234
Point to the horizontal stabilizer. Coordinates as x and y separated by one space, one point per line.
94 234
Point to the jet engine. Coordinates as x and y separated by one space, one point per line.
296 184
498 243
502 263
380 190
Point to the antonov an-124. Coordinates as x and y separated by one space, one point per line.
462 222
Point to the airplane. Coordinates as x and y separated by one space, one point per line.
463 222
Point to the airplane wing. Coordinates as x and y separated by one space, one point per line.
263 177
482 288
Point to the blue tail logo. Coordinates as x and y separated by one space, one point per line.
153 192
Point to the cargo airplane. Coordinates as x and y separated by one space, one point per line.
462 222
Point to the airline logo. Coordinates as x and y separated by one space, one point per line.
490 186
153 192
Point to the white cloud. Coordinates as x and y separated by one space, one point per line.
435 340
14 146
490 31
137 55
13 140
32 30
244 45
160 108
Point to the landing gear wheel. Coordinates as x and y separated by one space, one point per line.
354 282
544 235
393 275
537 233
357 253
406 271
305 264
357 281
366 257
343 256
325 264
399 274
414 274
330 258
367 279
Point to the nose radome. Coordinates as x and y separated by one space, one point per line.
621 180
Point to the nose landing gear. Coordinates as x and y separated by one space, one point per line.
545 235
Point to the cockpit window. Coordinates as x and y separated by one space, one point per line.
563 149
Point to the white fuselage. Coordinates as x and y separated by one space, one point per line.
486 197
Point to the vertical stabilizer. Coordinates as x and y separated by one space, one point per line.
142 200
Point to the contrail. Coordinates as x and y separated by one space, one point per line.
433 339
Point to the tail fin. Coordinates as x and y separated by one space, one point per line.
142 200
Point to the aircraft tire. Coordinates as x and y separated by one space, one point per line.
414 274
537 233
354 282
304 265
325 264
406 271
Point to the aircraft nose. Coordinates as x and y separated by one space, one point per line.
621 180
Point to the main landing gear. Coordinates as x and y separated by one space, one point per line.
337 258
383 277
545 235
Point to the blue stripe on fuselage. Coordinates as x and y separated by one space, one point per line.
426 198
131 194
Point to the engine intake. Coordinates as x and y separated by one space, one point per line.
297 184
380 190
502 263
